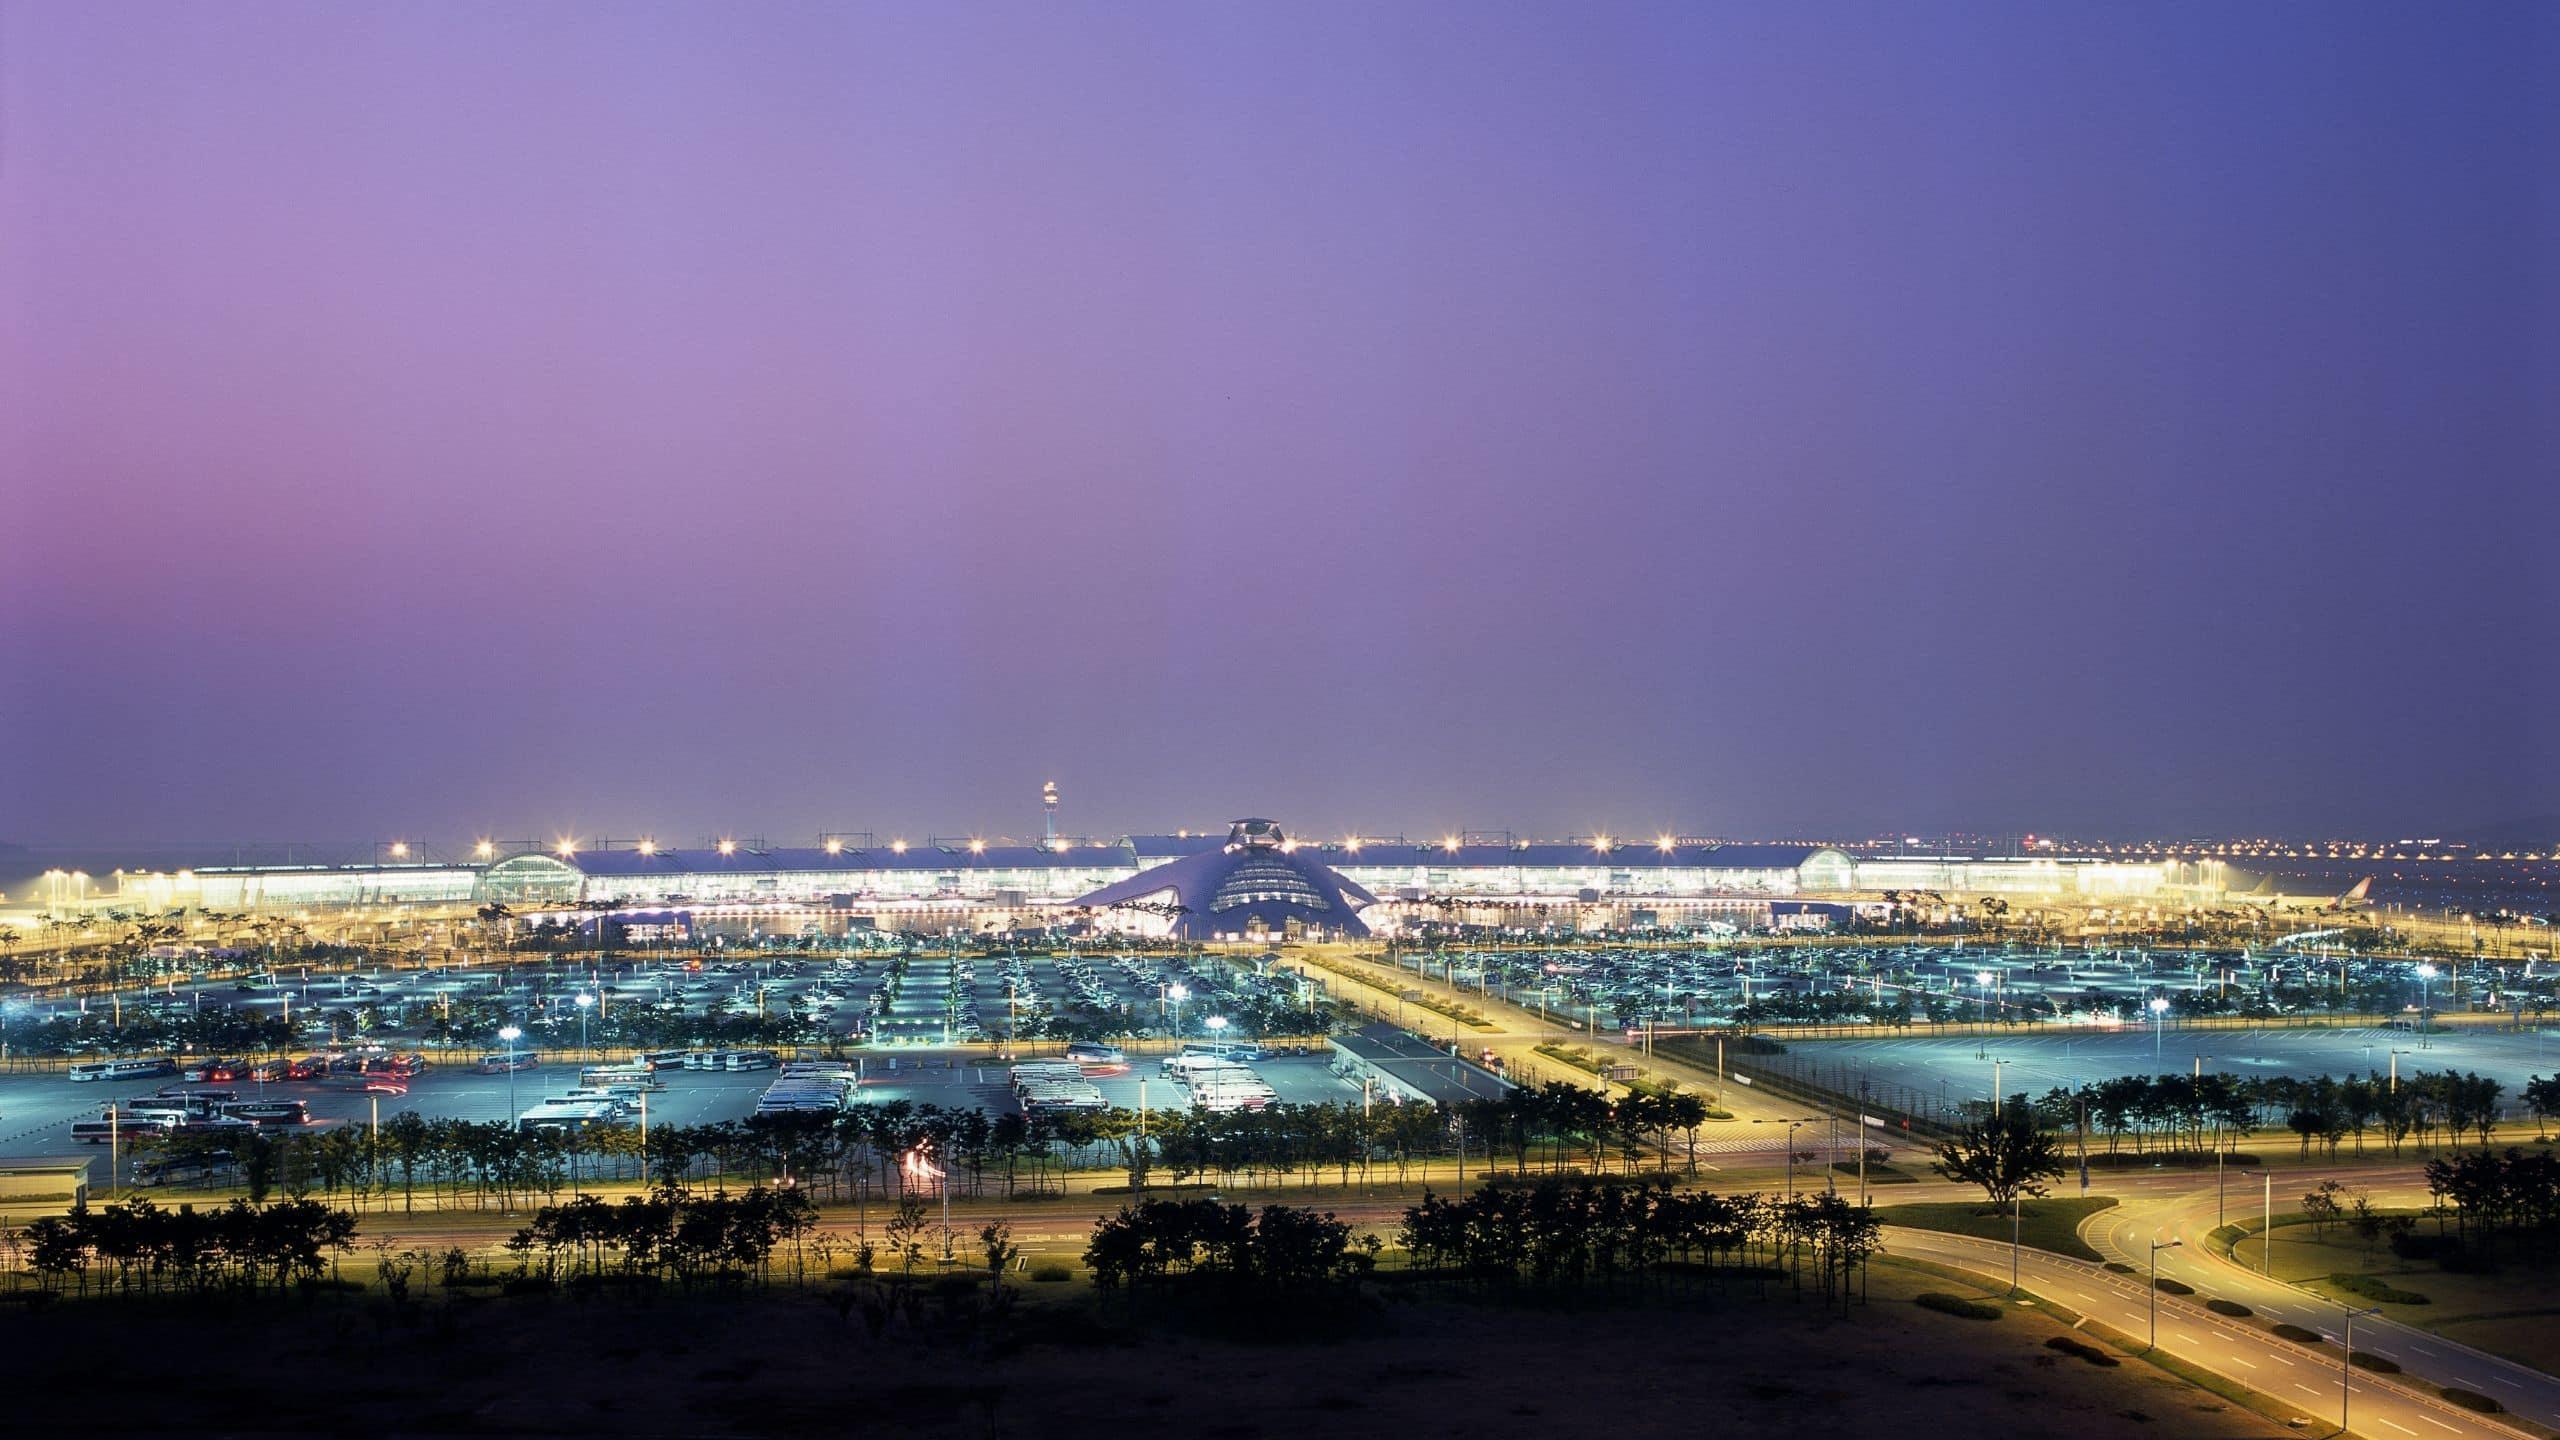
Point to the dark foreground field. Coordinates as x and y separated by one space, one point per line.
792 1364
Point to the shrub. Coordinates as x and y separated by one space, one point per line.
2120 1268
2167 1286
1052 1274
2374 1287
2470 1400
2300 1336
2073 1345
2231 1308
1957 1305
2367 1360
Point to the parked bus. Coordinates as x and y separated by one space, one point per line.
123 1069
1094 1052
506 1060
99 1132
270 1112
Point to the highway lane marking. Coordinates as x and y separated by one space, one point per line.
2430 1419
2396 1425
2503 1380
2298 1385
2236 1360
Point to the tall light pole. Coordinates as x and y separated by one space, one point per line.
2426 974
584 1001
508 1035
2267 1222
1177 993
2159 1013
2156 1247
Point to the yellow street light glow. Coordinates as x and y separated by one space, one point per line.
1666 844
484 849
568 848
977 847
898 847
1449 843
1601 844
399 849
835 847
728 847
1352 844
648 847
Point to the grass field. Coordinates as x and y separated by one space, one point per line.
2049 1224
2513 1312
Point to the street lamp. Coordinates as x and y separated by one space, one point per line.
2159 1013
584 1001
2266 1221
1792 1127
1217 1026
2156 1247
1982 978
1177 993
508 1035
2426 973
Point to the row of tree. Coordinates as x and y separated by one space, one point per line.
139 1246
1574 1231
2199 1113
1279 1247
2493 1193
862 1152
667 1233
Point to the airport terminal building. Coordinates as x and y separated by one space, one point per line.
1185 880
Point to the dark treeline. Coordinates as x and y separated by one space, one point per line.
1580 1230
1279 1247
666 1234
140 1247
2490 1196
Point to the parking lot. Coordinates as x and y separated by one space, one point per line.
1952 1070
37 1111
1607 986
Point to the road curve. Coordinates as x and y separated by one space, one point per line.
2294 1375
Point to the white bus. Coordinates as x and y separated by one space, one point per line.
619 1077
99 1132
123 1069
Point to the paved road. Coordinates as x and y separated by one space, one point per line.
2126 1233
2293 1374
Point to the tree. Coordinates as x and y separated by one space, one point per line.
2321 1207
2542 1096
2008 1155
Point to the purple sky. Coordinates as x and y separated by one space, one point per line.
454 419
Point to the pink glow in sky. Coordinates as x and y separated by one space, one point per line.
460 418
